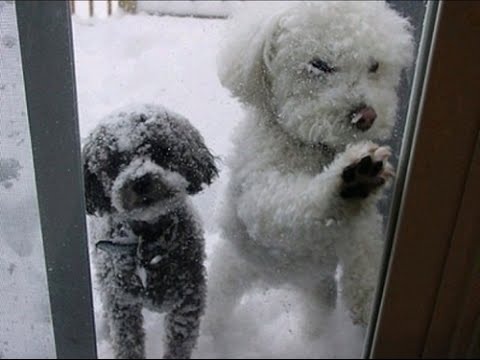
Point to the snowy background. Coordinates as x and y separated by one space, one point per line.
128 59
120 60
25 323
171 61
197 8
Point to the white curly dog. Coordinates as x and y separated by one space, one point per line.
318 83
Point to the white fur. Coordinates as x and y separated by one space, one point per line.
283 215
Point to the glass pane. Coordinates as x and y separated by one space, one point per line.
25 320
303 107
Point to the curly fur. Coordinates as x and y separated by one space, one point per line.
305 180
140 165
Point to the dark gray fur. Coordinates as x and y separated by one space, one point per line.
169 249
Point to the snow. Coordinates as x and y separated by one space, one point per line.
10 171
197 8
170 61
25 322
156 260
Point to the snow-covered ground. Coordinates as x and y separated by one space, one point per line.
171 61
213 8
25 322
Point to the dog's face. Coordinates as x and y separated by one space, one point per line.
328 71
141 191
144 190
143 162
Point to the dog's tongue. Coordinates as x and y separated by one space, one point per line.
364 118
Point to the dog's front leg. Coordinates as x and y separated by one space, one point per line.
364 172
182 326
126 330
122 303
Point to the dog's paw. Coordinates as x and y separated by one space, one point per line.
368 172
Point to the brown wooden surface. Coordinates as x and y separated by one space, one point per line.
459 295
417 314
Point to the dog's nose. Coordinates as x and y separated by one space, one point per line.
143 185
364 118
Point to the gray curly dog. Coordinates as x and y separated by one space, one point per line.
140 165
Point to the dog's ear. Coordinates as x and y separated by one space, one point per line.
97 202
242 63
200 166
95 198
184 151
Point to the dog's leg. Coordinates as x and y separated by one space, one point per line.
229 278
319 303
182 324
126 330
360 259
360 250
122 307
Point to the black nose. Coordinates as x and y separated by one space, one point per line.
143 185
364 118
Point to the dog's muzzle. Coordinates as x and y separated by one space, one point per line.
144 191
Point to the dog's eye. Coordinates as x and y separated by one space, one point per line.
373 67
317 66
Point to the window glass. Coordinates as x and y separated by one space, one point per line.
26 325
303 110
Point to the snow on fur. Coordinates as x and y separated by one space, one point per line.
9 170
284 219
266 324
140 164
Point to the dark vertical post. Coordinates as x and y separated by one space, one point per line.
48 66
